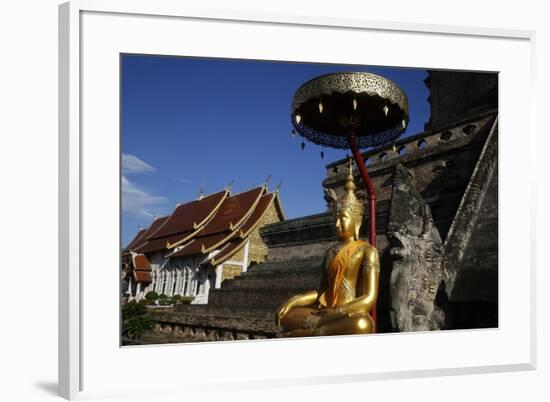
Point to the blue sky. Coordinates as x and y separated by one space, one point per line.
187 121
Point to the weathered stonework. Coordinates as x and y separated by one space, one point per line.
416 253
462 228
299 238
455 94
470 265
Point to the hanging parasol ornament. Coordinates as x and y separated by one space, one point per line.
330 108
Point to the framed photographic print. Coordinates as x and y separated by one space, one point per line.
250 199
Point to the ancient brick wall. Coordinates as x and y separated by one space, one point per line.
258 249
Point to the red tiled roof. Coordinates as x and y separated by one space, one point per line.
157 223
157 244
226 215
227 251
141 263
235 244
233 210
256 215
143 276
135 240
186 215
195 246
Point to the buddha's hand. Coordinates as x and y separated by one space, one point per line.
326 311
283 310
328 315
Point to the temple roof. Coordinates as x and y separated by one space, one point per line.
206 224
238 241
225 223
141 263
139 267
183 223
188 217
156 244
135 240
256 215
143 276
227 251
233 212
232 239
139 242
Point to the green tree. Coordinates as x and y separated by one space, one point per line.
135 320
151 297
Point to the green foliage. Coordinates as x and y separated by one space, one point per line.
165 301
187 299
163 296
176 299
135 320
151 297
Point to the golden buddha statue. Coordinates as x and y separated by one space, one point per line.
349 286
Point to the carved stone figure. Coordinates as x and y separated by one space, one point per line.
416 253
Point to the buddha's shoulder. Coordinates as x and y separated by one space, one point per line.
368 248
364 247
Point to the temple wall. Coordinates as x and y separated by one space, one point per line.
441 164
258 250
455 94
230 271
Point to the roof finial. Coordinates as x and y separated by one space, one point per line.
278 186
267 181
201 191
230 184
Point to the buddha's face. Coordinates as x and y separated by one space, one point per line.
345 225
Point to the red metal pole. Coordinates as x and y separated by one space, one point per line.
371 194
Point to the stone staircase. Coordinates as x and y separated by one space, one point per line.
243 308
269 284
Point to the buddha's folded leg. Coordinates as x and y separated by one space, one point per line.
359 323
299 318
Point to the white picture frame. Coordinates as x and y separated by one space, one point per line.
93 33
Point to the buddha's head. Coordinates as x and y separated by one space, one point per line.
348 210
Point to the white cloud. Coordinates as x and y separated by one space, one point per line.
132 164
137 201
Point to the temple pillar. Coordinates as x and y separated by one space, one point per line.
245 255
169 283
219 273
162 281
186 286
178 289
